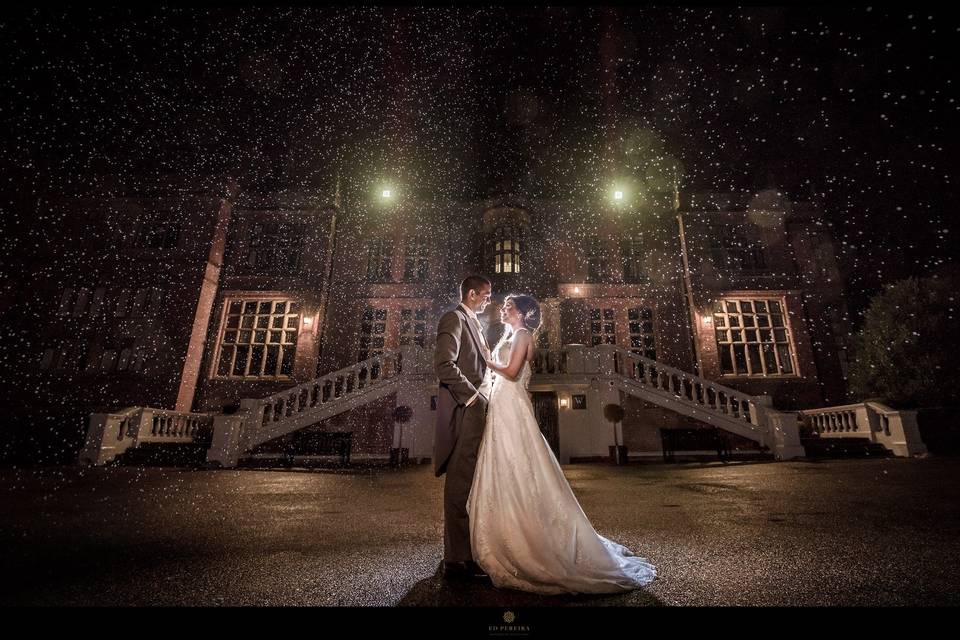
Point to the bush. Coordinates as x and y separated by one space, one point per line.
906 351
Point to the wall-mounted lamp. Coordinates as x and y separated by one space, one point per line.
308 322
564 403
576 289
707 321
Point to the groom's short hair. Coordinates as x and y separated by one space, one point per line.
474 282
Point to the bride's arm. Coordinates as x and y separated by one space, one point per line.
518 351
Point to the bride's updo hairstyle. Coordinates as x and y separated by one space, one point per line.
529 310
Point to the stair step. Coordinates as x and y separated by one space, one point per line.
844 448
151 454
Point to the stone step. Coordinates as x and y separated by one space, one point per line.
155 454
844 448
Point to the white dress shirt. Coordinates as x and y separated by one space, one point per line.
483 341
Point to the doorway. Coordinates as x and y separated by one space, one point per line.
545 410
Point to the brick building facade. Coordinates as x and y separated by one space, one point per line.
194 297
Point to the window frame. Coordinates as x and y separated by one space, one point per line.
729 328
285 329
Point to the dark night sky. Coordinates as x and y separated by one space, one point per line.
855 104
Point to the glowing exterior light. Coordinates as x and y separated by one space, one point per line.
707 321
564 403
576 289
386 193
618 195
307 322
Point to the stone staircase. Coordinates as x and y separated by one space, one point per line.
408 372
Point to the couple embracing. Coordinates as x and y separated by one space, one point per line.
509 512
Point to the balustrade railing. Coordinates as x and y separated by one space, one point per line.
353 380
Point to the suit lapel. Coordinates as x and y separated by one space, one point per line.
473 330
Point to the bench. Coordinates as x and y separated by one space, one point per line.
316 443
694 440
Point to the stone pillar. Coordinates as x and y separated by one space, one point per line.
105 438
208 293
231 434
784 435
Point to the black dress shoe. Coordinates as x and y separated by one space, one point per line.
463 571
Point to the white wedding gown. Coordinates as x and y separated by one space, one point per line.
527 529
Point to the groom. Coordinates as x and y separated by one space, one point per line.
460 364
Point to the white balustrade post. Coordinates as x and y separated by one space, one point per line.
868 421
577 359
761 403
904 438
905 433
230 434
604 355
105 438
784 435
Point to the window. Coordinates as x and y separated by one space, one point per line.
64 355
96 304
506 249
416 260
258 338
120 356
66 302
159 235
373 330
413 326
598 267
737 248
144 302
602 327
752 338
632 255
274 247
641 332
77 302
379 260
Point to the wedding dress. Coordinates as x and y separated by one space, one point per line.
527 529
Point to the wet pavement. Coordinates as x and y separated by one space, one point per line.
835 532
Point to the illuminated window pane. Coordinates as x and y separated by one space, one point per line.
753 345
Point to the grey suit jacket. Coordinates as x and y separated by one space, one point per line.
460 366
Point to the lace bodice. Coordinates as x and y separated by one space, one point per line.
502 356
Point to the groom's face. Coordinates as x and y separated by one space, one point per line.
480 299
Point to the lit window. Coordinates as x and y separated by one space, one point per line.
602 327
641 332
753 337
258 338
373 331
506 249
413 326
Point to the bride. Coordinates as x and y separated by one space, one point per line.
527 529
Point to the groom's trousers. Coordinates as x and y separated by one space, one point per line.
456 488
